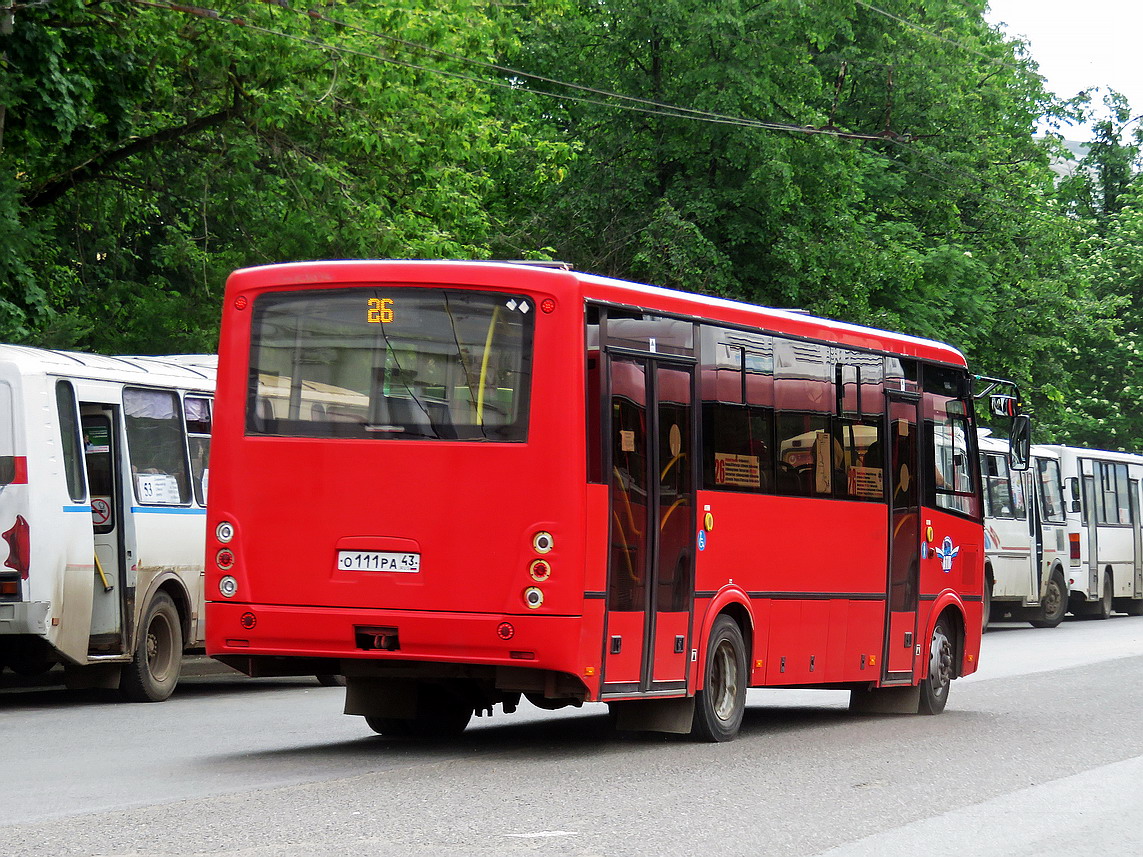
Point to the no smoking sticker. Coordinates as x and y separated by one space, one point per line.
100 511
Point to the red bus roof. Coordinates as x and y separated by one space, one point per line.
563 282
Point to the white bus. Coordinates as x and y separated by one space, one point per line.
1026 549
1105 548
103 481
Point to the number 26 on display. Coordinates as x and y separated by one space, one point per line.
380 311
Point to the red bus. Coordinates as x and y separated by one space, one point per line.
460 483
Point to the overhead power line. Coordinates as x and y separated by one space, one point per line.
592 95
939 37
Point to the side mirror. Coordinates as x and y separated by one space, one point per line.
1074 490
1019 440
1003 406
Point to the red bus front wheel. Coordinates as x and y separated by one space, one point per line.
942 651
720 705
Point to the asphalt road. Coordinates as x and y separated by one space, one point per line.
1039 753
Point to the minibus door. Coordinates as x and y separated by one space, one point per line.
108 596
1036 532
1137 532
899 658
652 515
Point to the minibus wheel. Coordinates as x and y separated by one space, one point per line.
1103 607
154 671
1054 604
720 705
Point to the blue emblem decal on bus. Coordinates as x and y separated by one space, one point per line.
946 553
702 540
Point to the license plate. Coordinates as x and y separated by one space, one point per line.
378 561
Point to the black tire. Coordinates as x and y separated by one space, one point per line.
330 680
1133 606
1102 609
1054 604
441 713
27 656
720 705
154 671
942 667
390 726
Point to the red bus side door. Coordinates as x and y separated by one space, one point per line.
652 510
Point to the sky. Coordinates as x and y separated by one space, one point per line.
1079 44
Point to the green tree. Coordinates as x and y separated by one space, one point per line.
149 152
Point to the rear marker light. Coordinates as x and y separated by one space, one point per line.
248 621
241 302
533 597
225 559
547 305
542 542
505 631
224 532
540 570
228 586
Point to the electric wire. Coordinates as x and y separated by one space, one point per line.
637 105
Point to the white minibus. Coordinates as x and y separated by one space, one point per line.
103 482
1105 549
1025 544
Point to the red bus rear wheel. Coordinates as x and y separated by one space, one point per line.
442 712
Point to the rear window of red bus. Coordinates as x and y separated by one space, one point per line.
391 363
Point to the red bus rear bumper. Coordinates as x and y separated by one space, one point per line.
536 641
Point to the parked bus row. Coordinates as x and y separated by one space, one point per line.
1065 535
823 573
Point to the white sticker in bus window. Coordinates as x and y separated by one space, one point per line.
823 475
627 441
865 482
159 489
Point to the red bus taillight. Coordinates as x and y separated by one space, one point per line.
19 546
1074 544
225 559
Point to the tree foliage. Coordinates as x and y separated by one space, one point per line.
872 162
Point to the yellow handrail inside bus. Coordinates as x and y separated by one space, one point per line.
671 464
627 504
484 367
635 532
663 523
107 587
626 553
